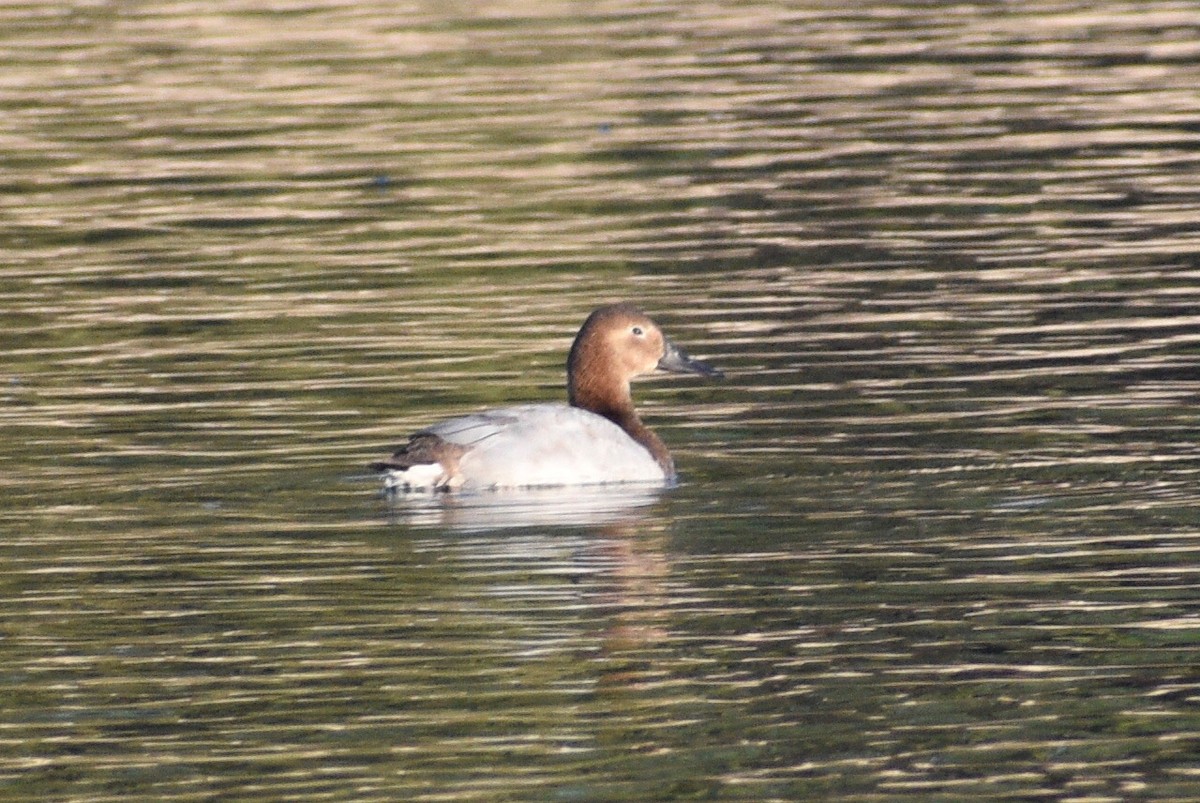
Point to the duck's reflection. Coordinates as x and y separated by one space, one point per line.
588 506
617 567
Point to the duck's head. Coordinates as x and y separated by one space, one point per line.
617 343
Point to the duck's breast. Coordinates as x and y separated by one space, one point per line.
545 444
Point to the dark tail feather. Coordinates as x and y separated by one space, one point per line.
391 464
423 449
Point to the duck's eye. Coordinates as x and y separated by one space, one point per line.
637 330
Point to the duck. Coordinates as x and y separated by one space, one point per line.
595 438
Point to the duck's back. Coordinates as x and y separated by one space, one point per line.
544 444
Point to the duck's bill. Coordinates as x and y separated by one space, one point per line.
677 361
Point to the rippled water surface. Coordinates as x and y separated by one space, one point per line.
937 534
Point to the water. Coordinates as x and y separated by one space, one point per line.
937 530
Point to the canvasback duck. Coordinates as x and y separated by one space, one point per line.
597 438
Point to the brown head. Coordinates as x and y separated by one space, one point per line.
617 343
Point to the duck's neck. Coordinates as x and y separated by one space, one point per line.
618 408
646 437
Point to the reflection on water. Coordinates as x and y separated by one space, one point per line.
597 506
935 537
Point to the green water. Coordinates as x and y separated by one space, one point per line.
936 534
